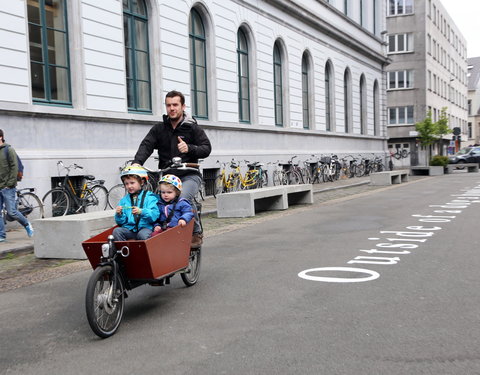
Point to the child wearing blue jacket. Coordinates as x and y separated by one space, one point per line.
173 210
136 211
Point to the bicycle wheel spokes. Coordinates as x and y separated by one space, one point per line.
104 306
30 206
116 193
96 199
56 203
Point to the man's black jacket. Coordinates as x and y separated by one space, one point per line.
165 139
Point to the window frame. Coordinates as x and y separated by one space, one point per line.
193 38
306 73
347 100
409 77
46 65
278 87
329 96
241 97
408 43
400 4
398 115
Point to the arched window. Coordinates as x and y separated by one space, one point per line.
376 108
243 77
49 57
278 84
137 56
329 100
363 105
347 100
198 65
306 91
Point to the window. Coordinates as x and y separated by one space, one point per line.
470 130
198 65
137 56
243 77
49 56
347 100
363 105
398 43
400 115
305 91
402 79
277 84
399 7
376 108
329 102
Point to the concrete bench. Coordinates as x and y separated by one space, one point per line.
62 236
426 170
246 202
389 177
471 167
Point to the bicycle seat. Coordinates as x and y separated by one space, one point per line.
100 182
89 177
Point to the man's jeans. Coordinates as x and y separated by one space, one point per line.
8 197
190 187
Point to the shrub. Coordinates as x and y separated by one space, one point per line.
439 160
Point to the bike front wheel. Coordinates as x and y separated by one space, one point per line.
277 178
191 274
31 206
104 304
96 199
56 202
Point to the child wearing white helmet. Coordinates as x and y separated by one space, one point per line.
137 210
173 209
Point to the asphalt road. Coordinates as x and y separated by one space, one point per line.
251 313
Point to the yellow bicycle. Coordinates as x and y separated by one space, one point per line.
234 180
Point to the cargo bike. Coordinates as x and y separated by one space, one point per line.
120 266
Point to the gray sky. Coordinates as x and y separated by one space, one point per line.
466 15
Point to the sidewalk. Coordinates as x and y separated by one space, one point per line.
18 241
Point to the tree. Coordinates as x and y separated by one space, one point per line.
430 132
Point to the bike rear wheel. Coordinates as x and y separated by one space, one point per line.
192 273
56 202
31 206
104 306
96 199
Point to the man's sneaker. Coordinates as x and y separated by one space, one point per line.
29 230
2 239
197 240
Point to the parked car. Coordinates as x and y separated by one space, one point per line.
466 155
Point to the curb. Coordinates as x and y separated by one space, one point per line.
29 248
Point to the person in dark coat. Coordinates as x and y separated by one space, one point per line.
178 135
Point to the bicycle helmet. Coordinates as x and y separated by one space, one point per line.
172 180
132 170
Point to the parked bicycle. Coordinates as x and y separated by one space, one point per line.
29 205
330 168
66 199
290 173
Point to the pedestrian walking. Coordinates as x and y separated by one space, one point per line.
8 188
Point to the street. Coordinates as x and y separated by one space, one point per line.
268 301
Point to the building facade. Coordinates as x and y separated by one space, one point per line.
428 72
473 103
83 80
